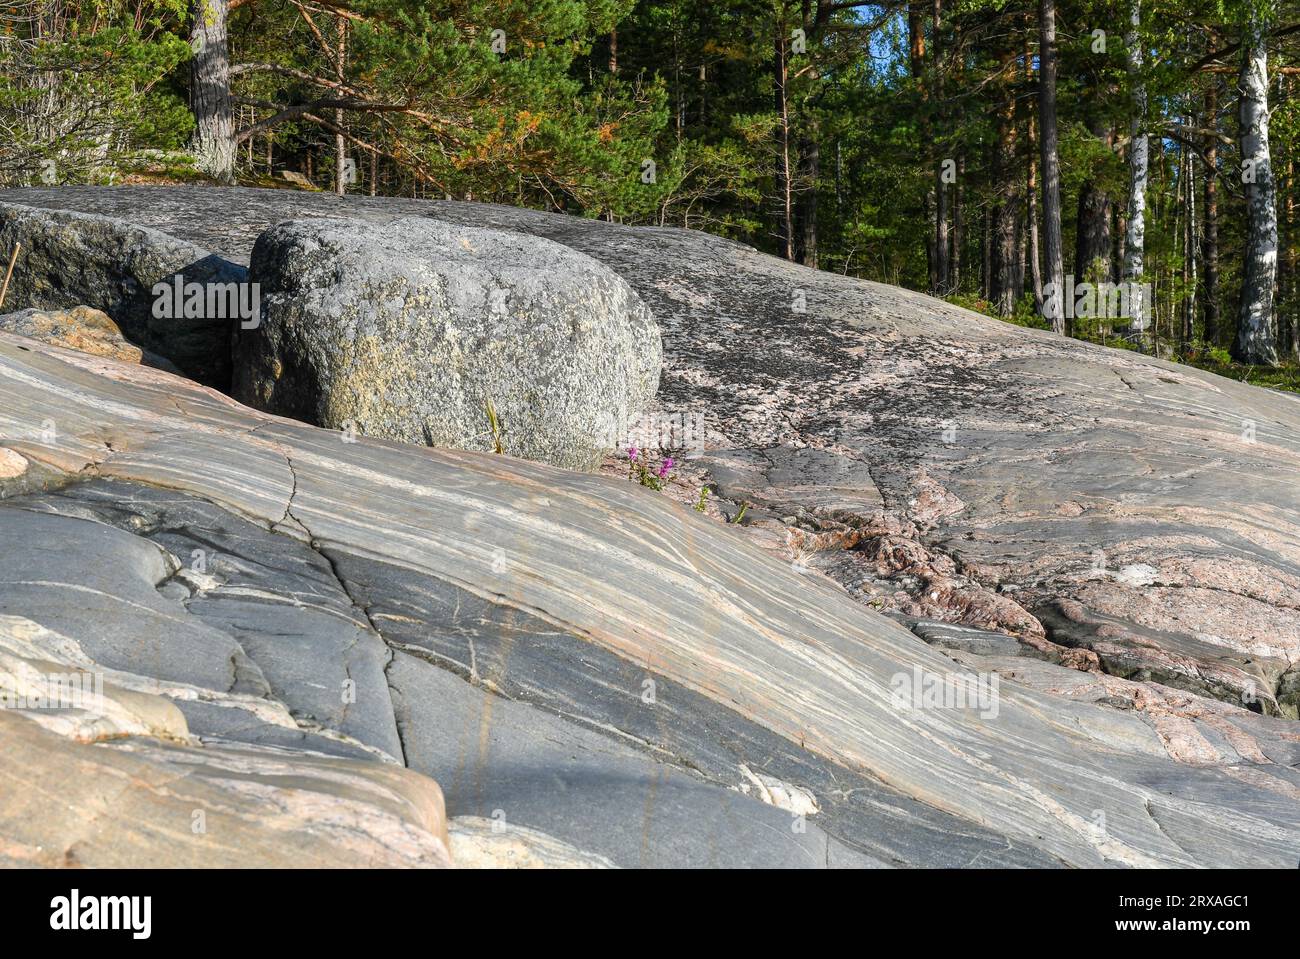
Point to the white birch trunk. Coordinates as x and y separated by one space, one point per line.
1256 340
1135 235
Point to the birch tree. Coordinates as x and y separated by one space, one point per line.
1135 237
1055 275
1256 340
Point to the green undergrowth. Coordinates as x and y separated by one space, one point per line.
1203 356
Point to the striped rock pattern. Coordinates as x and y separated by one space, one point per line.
568 653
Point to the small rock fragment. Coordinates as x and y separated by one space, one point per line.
12 464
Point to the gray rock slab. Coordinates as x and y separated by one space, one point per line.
569 591
596 586
531 661
785 478
979 641
270 594
99 586
514 764
231 724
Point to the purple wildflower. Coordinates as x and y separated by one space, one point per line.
665 466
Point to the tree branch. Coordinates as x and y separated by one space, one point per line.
1229 50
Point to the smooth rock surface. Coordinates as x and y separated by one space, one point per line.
595 662
12 465
479 843
116 779
410 330
124 805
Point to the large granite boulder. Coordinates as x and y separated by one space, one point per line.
414 329
68 259
592 673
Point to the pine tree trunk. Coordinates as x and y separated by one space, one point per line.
1256 336
213 143
1035 255
1054 291
340 147
1210 234
986 254
1092 239
958 234
941 242
1031 192
1188 246
1018 275
784 173
916 57
808 197
1006 213
1092 243
941 239
958 228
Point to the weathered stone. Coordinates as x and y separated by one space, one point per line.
595 661
1191 728
278 600
135 788
143 802
81 328
412 330
12 465
965 639
69 259
517 765
478 843
48 679
1288 693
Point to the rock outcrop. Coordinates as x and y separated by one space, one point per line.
413 330
570 654
135 788
81 328
69 259
1065 605
1105 507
